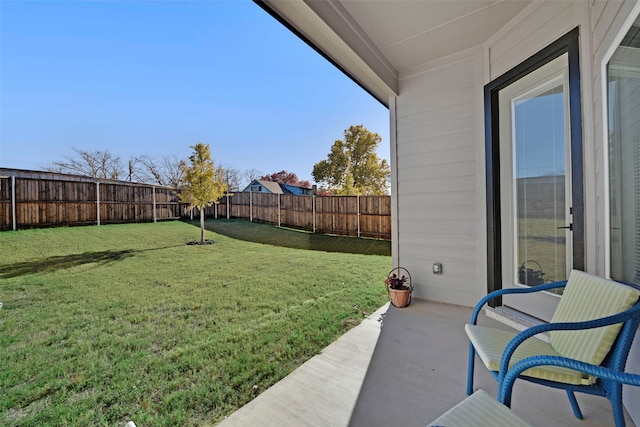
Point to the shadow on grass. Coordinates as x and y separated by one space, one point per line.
55 263
62 262
277 236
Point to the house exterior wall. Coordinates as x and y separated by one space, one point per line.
438 120
440 177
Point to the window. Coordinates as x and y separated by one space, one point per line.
623 72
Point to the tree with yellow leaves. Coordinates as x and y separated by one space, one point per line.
203 183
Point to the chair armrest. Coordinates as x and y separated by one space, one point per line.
500 292
561 326
504 388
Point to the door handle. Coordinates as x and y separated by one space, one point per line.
570 227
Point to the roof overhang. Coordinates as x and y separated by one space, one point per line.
376 42
349 51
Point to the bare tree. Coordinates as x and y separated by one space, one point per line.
133 161
96 164
163 171
149 171
250 175
233 178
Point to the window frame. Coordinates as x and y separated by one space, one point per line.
633 18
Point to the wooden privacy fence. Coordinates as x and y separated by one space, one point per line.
41 199
361 216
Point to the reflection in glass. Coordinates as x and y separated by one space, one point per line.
539 171
624 157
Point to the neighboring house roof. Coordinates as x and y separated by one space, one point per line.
295 189
269 187
264 186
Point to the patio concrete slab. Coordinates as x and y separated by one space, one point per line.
419 371
322 391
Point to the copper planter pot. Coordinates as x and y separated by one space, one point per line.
399 298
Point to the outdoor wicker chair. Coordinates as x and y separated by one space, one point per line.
594 325
480 409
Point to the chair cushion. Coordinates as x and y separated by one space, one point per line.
490 344
479 409
588 297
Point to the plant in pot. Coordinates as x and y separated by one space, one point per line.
399 287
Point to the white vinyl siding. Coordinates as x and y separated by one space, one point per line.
439 129
537 26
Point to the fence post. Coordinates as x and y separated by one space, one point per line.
154 203
97 202
250 205
379 218
358 216
313 209
215 212
228 200
279 209
14 210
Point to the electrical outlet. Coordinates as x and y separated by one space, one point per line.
437 268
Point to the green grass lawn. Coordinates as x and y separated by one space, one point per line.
102 325
296 239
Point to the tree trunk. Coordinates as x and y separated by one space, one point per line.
202 224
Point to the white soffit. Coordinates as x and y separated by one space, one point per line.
413 33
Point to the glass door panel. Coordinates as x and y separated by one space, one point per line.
535 192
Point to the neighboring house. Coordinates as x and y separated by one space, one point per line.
264 186
484 98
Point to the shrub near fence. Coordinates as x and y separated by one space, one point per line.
41 199
362 216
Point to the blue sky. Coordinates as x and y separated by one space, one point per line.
155 77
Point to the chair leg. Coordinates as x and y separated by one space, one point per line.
616 405
472 355
505 398
574 404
